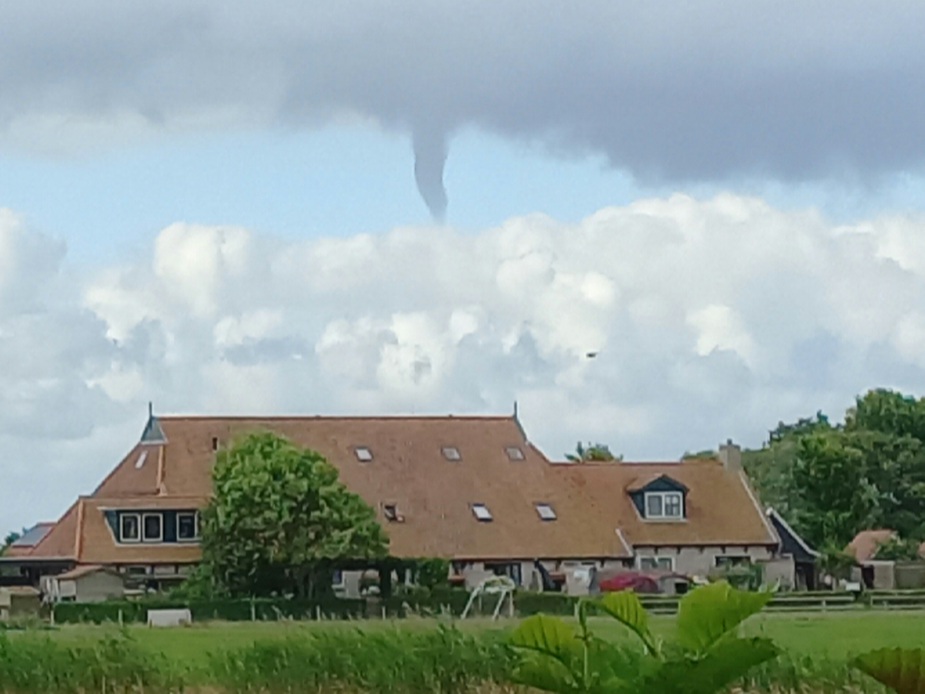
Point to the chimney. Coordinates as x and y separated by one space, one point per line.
731 455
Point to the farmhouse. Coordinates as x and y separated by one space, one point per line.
473 490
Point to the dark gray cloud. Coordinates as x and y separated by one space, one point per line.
669 91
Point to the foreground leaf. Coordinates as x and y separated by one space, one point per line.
550 637
901 669
627 609
707 614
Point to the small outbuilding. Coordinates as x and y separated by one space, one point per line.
19 601
88 583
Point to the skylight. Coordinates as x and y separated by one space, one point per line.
363 454
451 453
481 512
546 512
514 453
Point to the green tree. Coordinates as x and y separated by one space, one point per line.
898 549
8 541
593 452
280 520
833 497
888 412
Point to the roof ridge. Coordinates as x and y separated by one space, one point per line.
361 418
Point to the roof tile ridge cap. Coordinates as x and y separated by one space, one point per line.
161 488
204 418
78 540
772 533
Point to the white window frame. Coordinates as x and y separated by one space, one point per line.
663 496
195 515
122 538
364 454
546 512
144 519
482 513
656 558
451 453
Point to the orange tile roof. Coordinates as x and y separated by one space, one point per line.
721 508
595 517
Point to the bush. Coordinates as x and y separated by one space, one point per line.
261 609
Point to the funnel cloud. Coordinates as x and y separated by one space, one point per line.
430 152
691 92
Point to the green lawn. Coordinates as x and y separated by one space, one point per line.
833 635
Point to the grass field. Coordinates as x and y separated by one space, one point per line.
830 635
411 656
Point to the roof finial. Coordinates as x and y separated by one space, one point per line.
515 409
150 409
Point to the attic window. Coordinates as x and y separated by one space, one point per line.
514 453
451 453
363 454
130 527
390 511
546 512
664 505
481 512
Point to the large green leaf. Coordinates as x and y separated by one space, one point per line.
726 662
626 608
548 636
707 614
545 675
901 669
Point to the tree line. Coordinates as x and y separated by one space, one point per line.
832 480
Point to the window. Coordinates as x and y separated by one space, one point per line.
656 563
140 463
481 512
737 560
215 443
390 511
153 527
187 526
363 454
337 578
546 512
664 505
130 528
451 453
514 453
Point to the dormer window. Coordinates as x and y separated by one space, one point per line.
363 454
546 512
481 512
514 453
451 453
664 505
130 528
153 527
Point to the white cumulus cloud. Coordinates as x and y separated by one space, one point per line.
711 318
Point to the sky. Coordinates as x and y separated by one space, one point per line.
435 207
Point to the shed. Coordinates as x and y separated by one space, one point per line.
87 583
